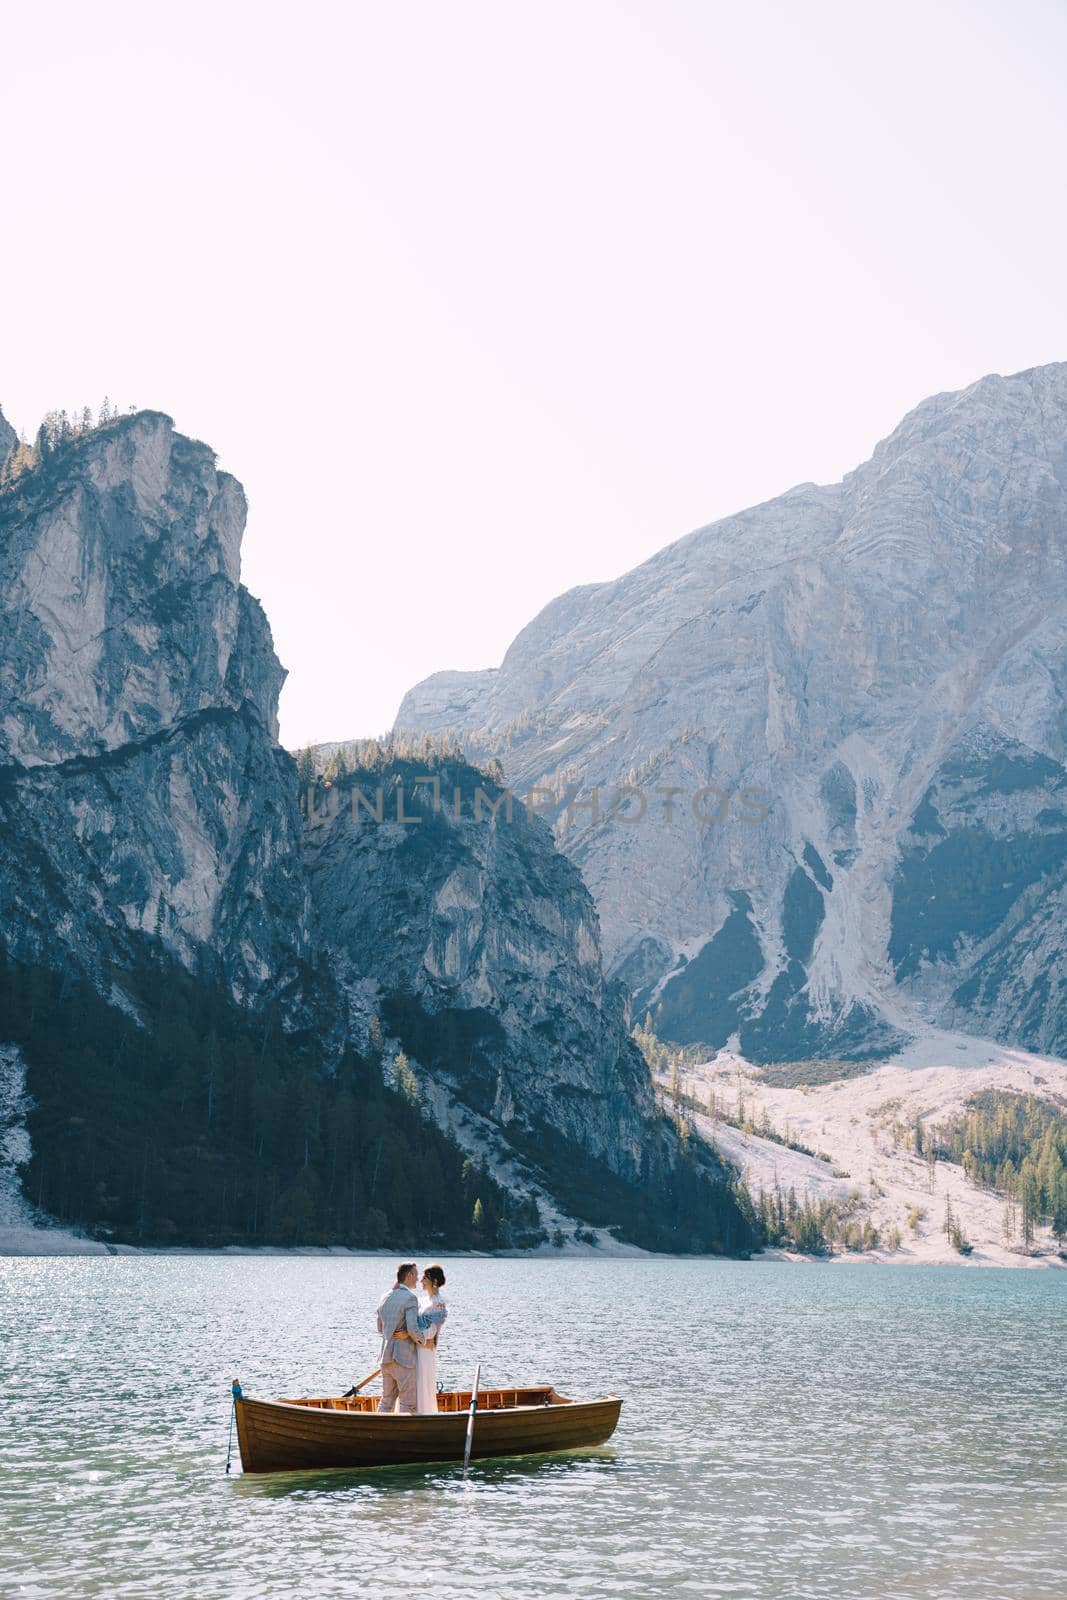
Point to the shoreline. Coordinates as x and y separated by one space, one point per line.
49 1244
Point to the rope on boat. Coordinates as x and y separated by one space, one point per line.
470 1419
235 1395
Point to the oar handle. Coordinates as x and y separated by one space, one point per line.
470 1417
356 1387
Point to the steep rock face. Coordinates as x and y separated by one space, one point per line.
8 439
479 944
141 789
121 595
165 984
857 693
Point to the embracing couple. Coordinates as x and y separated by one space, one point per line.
410 1333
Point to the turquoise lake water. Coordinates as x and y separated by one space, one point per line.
788 1432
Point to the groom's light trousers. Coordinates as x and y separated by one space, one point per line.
398 1383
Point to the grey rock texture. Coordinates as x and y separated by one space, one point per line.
880 664
8 438
122 603
145 805
478 943
141 788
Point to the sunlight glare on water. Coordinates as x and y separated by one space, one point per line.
788 1432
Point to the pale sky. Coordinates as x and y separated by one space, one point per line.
481 301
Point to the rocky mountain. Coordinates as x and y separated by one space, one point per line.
8 439
142 791
812 759
476 941
201 987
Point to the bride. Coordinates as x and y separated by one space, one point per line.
432 1313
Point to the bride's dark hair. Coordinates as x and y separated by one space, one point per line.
436 1276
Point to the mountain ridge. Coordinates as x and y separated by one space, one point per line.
161 911
856 651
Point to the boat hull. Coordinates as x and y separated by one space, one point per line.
289 1436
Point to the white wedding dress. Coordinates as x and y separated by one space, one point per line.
432 1313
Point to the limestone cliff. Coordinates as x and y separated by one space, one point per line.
8 439
189 967
142 791
479 944
829 740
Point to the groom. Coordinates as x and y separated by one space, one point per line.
398 1324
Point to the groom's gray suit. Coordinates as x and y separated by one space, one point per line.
398 1310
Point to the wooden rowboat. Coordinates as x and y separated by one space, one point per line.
292 1435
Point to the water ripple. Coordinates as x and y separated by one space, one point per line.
859 1434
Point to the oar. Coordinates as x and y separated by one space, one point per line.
470 1419
235 1394
356 1387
